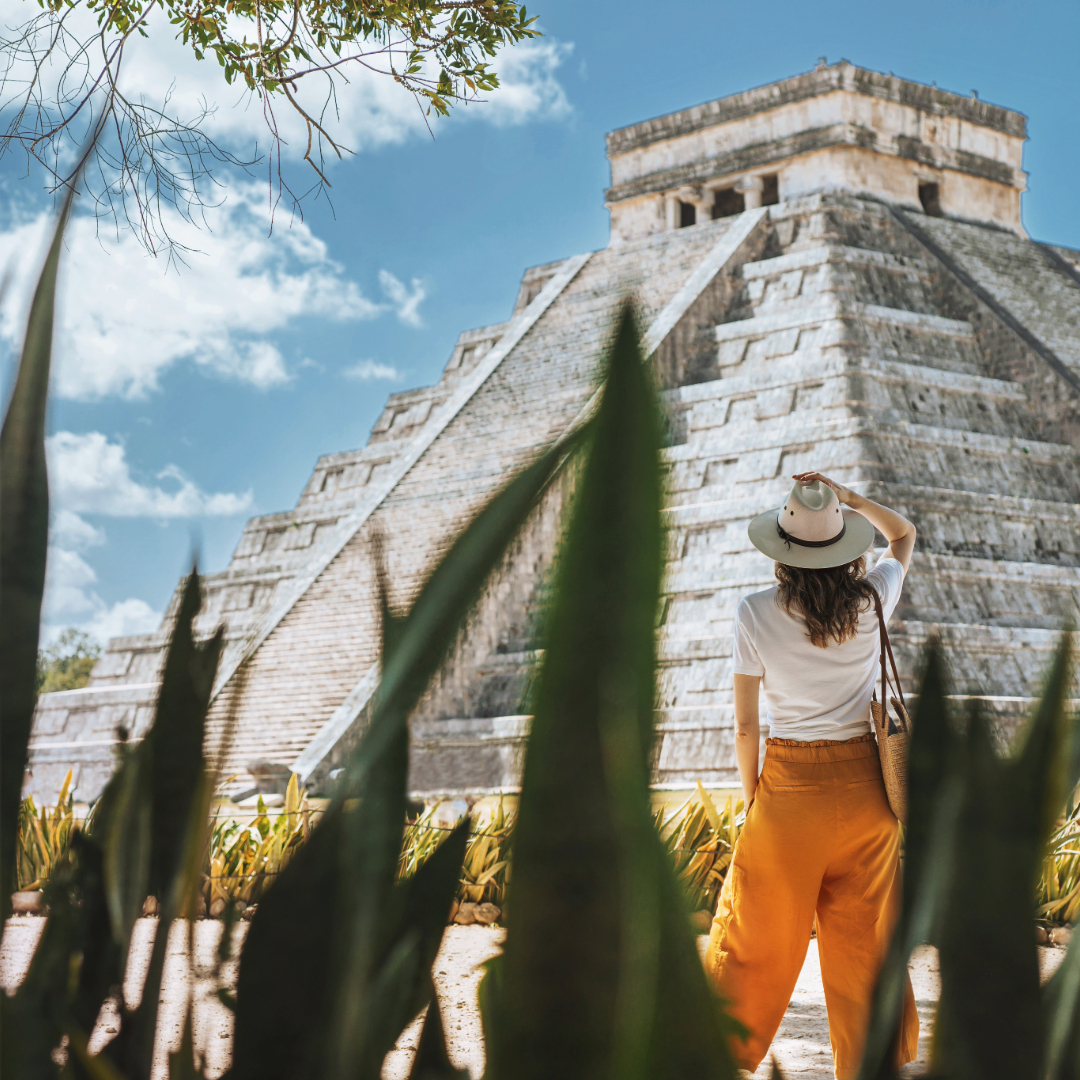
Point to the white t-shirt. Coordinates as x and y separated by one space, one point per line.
813 693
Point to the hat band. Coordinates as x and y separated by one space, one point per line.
789 539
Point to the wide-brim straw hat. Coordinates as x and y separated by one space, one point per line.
812 529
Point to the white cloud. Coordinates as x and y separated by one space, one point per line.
406 301
71 600
68 577
89 474
365 370
72 531
528 86
371 110
127 318
124 618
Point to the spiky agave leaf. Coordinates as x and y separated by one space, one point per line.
932 758
1061 995
976 831
934 793
174 744
24 525
1044 767
989 965
348 865
293 930
1061 1004
368 861
122 829
432 1061
24 531
181 789
405 952
138 836
600 975
76 964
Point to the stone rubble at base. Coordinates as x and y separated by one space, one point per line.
834 275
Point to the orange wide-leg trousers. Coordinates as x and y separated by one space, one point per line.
819 839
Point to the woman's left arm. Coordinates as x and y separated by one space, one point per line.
747 732
893 526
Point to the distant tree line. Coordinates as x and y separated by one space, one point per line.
66 664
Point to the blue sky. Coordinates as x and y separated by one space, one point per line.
186 401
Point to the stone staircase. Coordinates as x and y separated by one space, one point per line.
841 352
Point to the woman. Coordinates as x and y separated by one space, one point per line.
819 839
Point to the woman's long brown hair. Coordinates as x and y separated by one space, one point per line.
829 600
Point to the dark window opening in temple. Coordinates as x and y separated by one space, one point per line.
930 198
728 202
687 214
770 193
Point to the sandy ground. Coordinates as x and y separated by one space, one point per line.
801 1046
212 1027
457 978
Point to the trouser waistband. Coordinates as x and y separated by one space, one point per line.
823 750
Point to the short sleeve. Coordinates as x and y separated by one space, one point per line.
887 577
745 659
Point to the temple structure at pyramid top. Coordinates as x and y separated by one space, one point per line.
837 128
832 273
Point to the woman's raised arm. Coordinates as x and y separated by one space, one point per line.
893 526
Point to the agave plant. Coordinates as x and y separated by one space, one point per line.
977 830
44 837
244 859
245 856
485 873
24 525
700 841
1059 884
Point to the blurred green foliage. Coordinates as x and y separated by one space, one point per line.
977 834
600 975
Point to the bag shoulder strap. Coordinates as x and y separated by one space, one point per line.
886 648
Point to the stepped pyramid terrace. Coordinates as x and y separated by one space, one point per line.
832 273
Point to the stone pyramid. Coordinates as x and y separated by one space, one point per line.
832 273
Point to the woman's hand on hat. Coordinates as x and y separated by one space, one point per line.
896 528
845 495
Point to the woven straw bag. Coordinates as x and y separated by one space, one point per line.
892 731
